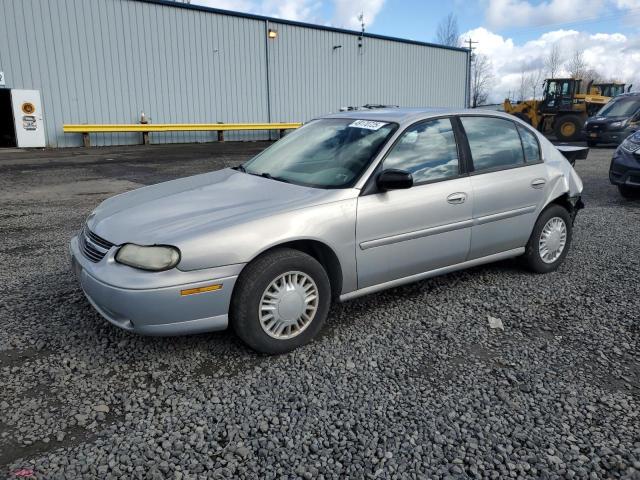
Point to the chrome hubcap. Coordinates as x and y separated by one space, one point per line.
552 240
288 305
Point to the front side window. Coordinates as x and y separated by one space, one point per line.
325 153
551 88
494 143
427 150
530 145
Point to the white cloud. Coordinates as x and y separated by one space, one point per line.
299 10
612 55
235 5
521 13
345 12
624 4
548 13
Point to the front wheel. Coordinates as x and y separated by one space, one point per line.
550 240
280 301
567 128
629 192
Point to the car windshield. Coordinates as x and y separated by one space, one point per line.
621 107
325 153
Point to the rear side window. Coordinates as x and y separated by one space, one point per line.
530 145
427 150
494 142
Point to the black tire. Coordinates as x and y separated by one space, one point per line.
564 122
523 116
532 256
253 282
629 192
591 143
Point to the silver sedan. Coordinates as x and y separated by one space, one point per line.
347 205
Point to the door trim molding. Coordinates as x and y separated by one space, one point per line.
494 217
432 273
449 227
402 237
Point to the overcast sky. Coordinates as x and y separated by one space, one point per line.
515 34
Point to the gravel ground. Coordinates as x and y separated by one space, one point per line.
409 383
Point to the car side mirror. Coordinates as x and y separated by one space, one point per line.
393 179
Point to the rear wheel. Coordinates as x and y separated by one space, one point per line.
280 301
567 128
550 240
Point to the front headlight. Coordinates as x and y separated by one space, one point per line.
154 257
618 124
630 146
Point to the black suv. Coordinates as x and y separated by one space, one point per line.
625 167
615 121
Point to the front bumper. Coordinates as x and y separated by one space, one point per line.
151 303
608 136
624 169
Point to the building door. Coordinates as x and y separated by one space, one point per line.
7 124
29 122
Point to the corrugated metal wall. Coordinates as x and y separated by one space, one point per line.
105 61
308 76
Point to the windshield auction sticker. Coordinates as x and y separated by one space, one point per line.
369 125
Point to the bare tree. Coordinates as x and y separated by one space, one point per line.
577 65
534 81
447 33
481 78
524 85
553 61
590 76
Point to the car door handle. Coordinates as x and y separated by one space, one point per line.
457 198
538 183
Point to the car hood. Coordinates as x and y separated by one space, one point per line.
167 212
600 119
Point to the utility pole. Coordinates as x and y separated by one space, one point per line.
471 48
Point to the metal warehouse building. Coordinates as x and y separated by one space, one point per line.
106 61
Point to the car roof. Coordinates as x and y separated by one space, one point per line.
409 115
627 95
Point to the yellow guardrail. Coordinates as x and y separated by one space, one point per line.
146 128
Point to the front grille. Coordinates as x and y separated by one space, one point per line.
101 242
93 246
595 127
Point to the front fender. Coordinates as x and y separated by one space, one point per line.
332 224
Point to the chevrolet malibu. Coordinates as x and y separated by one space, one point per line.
347 205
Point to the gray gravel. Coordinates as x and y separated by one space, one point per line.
409 383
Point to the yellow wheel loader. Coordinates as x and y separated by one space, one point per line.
562 110
611 89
